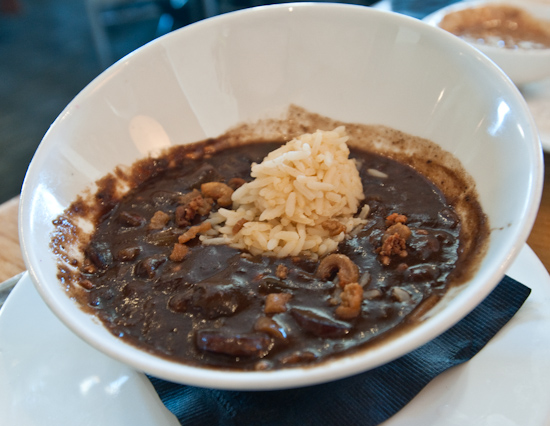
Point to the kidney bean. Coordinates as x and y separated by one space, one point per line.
131 219
319 324
269 326
166 237
147 268
180 301
100 254
128 253
213 300
254 345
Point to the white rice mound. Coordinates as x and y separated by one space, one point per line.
295 189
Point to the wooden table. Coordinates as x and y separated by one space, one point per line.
539 239
11 261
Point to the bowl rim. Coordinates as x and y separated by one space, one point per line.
292 377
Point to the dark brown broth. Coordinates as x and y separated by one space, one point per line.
141 309
218 288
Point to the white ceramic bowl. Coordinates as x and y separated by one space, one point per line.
347 62
521 65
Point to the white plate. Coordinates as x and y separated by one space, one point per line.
49 377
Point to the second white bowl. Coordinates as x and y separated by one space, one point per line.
521 65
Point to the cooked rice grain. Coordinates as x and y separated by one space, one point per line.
295 189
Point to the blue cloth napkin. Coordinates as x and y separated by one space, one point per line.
366 399
419 8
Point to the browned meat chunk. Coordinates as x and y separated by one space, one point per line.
218 191
394 239
402 230
159 220
394 218
179 252
188 197
333 227
281 272
347 271
193 232
276 302
392 245
352 296
192 204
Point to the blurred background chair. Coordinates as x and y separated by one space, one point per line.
103 14
170 14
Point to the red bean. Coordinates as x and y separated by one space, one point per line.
131 219
318 324
254 345
100 254
128 253
147 268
